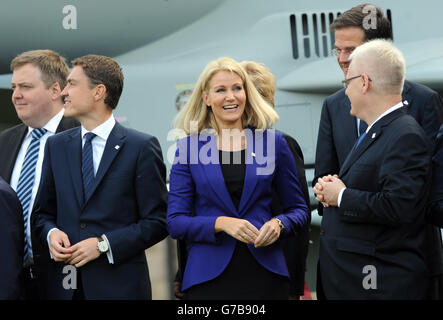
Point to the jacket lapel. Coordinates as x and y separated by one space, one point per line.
251 176
12 146
373 134
114 144
215 177
74 159
406 95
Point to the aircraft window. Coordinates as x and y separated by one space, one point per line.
294 36
306 43
314 21
315 40
389 16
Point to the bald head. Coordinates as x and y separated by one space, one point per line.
383 63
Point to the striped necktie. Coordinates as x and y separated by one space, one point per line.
88 165
26 184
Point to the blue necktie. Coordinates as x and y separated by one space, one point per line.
26 184
359 140
88 165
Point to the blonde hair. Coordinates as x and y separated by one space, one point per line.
384 63
53 67
258 113
263 79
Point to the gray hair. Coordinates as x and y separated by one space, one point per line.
383 63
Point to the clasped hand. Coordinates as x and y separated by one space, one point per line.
327 190
246 232
78 254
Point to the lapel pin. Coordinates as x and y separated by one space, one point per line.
253 154
405 102
373 135
117 147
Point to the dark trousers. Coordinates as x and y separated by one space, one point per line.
31 284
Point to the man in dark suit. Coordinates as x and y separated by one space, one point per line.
338 129
11 243
102 199
373 238
38 78
435 215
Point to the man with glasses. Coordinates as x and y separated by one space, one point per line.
338 129
374 238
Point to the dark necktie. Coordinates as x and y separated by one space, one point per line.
88 165
26 184
363 127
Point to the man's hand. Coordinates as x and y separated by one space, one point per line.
327 190
269 233
59 245
83 252
239 229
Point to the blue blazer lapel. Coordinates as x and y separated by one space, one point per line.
251 177
113 146
74 160
215 178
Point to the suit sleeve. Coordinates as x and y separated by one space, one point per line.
326 161
432 116
403 178
12 245
151 198
182 224
295 211
44 215
435 210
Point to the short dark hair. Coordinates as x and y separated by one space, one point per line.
355 17
106 71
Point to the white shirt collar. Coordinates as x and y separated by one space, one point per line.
391 109
104 130
52 124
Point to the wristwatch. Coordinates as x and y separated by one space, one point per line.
102 245
281 225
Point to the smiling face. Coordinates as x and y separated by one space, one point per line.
227 98
31 99
346 40
78 94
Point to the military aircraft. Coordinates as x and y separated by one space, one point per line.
163 45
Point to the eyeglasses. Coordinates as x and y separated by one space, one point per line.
346 81
338 52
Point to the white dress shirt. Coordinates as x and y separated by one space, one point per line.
391 109
51 128
98 147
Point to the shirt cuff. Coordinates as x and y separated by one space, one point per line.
109 253
339 197
47 239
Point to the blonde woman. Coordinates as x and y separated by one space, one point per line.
221 190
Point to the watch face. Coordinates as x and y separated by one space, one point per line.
102 246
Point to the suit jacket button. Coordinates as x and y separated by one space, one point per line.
322 232
83 225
